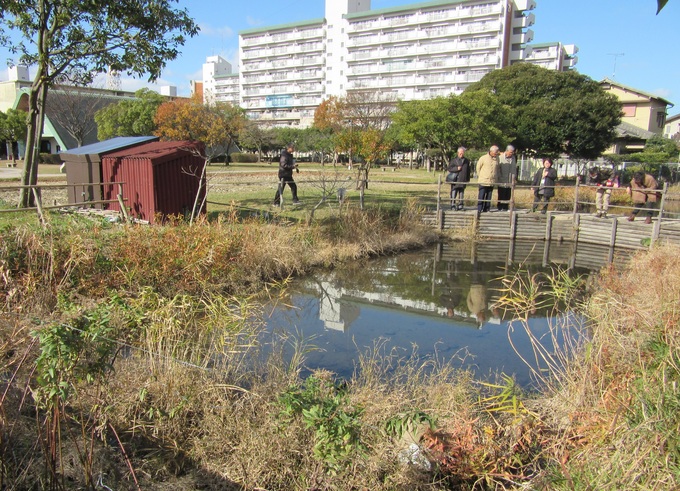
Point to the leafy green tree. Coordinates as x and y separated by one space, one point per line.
12 128
135 36
664 145
554 112
257 137
129 117
474 119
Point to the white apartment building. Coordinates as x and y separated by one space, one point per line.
553 56
416 51
219 82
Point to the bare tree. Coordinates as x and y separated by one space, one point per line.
369 115
73 108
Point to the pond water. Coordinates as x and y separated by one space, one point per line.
439 301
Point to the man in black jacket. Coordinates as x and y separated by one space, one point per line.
286 166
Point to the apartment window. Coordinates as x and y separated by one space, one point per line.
628 110
660 119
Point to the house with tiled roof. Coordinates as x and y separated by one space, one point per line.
643 116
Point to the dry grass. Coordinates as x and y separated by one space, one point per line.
616 409
195 405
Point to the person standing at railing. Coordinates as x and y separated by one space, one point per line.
487 175
458 176
507 170
543 185
605 180
286 166
642 190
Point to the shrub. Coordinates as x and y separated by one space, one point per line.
50 158
243 157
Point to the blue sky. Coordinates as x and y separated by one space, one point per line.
644 44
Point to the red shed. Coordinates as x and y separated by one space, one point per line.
159 178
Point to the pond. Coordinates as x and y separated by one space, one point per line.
438 302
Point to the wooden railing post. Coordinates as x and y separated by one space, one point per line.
513 180
657 226
123 210
576 190
38 204
439 193
282 183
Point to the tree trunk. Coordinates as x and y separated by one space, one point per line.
33 135
197 199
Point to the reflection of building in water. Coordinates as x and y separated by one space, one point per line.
462 282
335 313
338 307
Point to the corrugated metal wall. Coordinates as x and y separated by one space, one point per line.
158 179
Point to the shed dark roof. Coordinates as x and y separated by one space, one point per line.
155 150
117 143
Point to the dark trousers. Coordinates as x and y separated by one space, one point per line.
484 198
540 198
282 186
504 195
457 197
649 205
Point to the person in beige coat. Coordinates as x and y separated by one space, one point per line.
487 175
642 190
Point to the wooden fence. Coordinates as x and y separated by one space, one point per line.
577 225
40 208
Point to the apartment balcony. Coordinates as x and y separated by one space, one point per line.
364 84
435 48
524 21
524 53
472 61
470 77
570 61
267 40
523 38
570 49
364 55
282 63
279 115
477 44
309 61
525 4
364 41
469 12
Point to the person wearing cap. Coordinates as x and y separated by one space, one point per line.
286 166
543 185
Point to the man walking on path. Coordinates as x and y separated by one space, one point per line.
487 174
286 165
